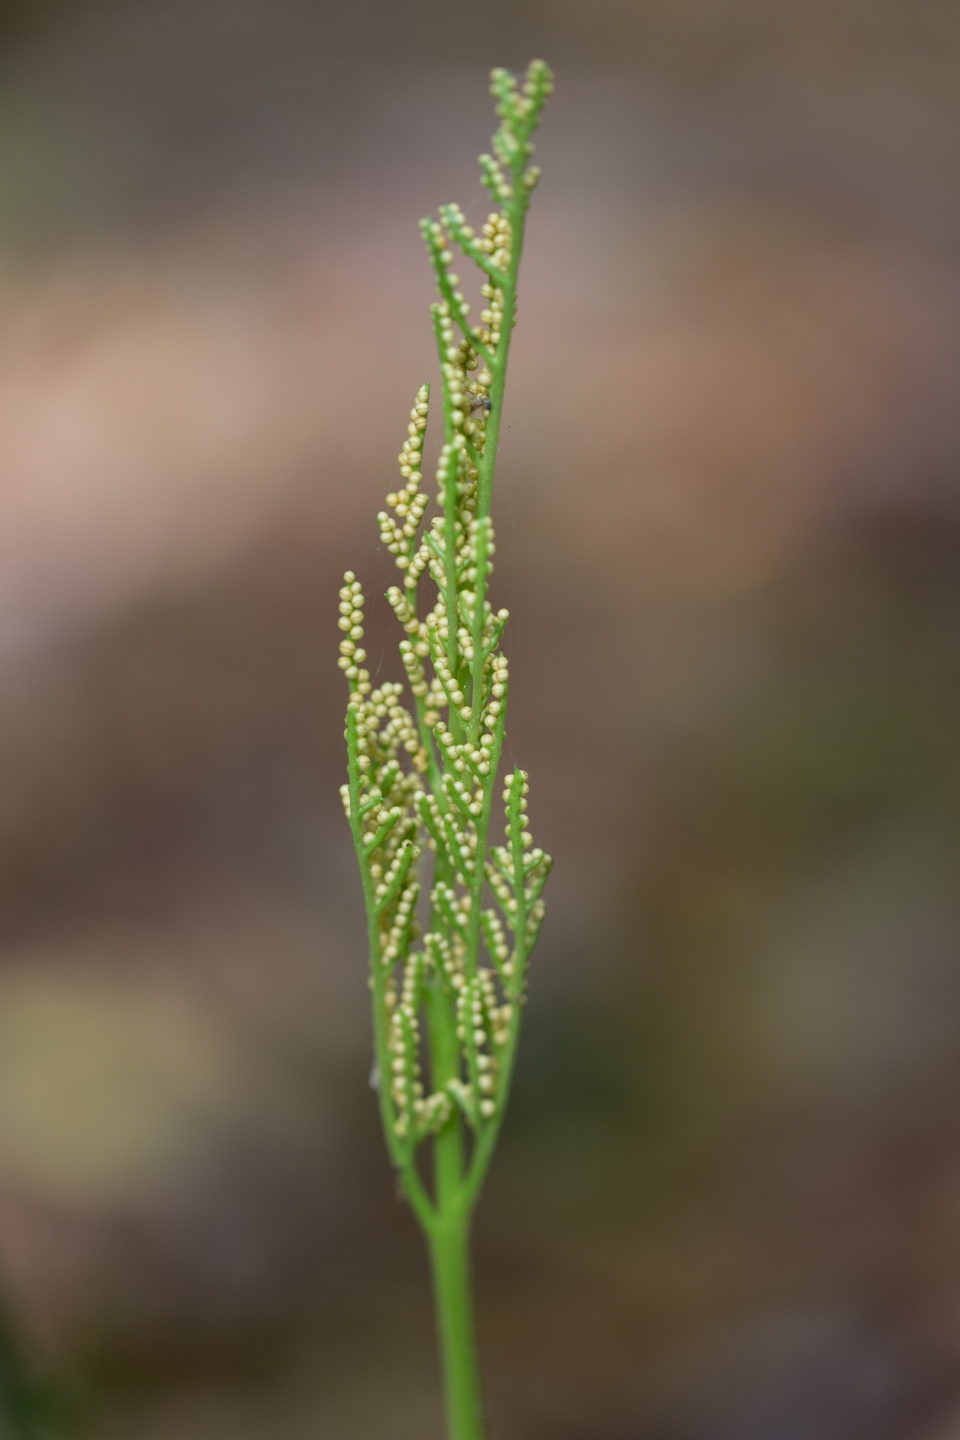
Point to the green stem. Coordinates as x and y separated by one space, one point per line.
516 212
445 1066
449 1239
450 1260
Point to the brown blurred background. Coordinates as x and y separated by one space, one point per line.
727 1201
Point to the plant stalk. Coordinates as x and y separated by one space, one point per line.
450 1262
446 1025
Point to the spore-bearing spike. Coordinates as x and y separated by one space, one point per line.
422 781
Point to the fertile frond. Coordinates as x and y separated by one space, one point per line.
422 780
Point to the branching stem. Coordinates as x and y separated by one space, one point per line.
445 1026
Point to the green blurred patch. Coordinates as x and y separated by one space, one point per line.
33 1405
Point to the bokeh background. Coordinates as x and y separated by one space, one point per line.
727 1201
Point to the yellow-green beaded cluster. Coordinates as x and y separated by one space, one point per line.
422 780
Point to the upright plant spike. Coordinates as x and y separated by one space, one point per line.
446 1022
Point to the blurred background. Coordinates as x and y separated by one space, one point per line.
727 1201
